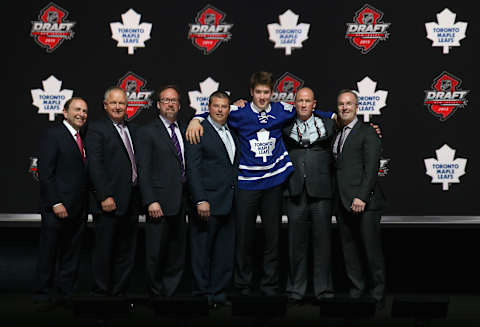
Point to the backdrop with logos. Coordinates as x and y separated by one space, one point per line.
411 64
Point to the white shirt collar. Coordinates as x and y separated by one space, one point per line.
309 121
216 125
352 123
72 130
167 122
258 110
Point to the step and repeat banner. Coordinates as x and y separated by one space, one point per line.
411 64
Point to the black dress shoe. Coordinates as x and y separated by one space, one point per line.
356 293
292 302
45 306
380 304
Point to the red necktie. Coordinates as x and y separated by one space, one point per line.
80 145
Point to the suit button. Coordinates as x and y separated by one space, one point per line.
233 186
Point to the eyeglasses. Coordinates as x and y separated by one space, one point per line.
168 100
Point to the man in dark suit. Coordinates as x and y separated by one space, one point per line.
162 183
212 171
112 146
360 200
63 194
309 198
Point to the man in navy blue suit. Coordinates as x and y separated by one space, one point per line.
63 194
212 174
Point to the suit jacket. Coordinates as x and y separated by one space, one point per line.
211 175
312 165
357 168
159 170
62 172
109 166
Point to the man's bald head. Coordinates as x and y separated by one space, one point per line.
305 103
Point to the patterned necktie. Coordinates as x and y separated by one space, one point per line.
80 145
128 146
177 146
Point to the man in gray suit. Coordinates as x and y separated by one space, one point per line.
212 174
360 200
309 198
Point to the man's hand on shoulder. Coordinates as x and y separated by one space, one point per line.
377 129
194 131
240 103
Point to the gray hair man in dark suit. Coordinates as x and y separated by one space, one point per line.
360 200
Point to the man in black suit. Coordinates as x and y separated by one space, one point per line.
212 171
309 198
360 200
162 183
112 146
63 194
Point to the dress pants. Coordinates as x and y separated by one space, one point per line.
165 246
60 240
268 203
362 251
114 251
309 222
212 249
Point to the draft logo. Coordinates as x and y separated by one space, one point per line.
138 98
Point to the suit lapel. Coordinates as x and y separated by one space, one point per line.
217 139
350 136
71 143
166 136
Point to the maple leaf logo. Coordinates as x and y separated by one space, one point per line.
370 101
131 34
445 169
50 100
288 34
264 145
446 33
199 99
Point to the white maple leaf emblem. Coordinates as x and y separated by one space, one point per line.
131 34
446 33
50 100
445 169
288 34
370 101
264 145
199 99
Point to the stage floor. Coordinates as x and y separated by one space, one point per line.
18 309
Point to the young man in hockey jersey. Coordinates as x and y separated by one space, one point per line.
264 166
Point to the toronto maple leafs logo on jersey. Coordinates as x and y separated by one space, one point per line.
130 33
288 34
370 101
209 30
138 97
446 96
51 99
446 33
263 146
445 169
52 27
286 88
367 29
